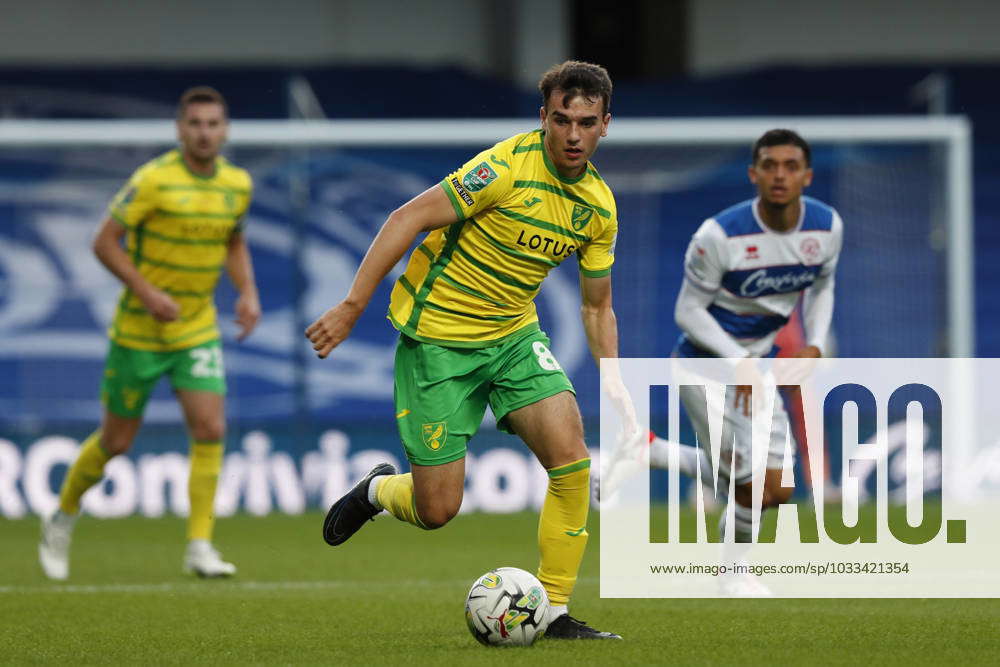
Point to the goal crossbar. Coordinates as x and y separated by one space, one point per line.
438 132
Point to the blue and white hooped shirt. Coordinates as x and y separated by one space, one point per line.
756 273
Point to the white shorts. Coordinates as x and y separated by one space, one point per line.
722 426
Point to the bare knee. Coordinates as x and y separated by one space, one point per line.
773 495
436 514
572 451
552 429
116 443
438 491
208 429
118 434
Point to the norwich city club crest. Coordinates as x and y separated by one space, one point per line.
479 177
434 434
581 216
131 398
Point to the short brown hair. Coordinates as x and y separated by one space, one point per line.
201 95
574 77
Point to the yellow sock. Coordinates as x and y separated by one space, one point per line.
206 463
395 494
87 470
562 529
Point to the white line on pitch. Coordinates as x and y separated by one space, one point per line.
218 587
211 587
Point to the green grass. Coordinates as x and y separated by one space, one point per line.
394 595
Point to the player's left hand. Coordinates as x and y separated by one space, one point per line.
247 313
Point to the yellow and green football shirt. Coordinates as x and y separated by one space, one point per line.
474 282
179 224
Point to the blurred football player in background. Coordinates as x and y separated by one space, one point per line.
181 219
745 271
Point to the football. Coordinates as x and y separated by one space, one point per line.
507 607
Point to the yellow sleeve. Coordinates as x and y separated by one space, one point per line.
241 218
481 183
135 201
597 256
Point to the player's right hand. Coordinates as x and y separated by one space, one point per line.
160 305
332 328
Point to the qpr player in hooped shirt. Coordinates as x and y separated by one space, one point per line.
744 272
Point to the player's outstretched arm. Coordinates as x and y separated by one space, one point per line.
108 249
239 266
427 211
601 327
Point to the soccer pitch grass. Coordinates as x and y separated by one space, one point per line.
395 594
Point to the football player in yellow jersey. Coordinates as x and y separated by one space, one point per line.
469 335
180 216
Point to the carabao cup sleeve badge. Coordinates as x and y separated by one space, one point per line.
479 177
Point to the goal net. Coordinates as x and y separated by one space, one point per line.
902 186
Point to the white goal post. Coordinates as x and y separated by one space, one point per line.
952 133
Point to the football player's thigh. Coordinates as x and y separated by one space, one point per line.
440 399
531 396
706 408
198 378
204 414
129 378
719 424
552 429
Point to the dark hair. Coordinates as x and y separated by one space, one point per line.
577 78
201 95
780 137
